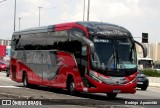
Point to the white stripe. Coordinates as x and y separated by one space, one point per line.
2 86
5 78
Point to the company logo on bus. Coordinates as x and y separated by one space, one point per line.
117 82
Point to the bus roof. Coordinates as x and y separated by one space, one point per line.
145 59
34 30
92 27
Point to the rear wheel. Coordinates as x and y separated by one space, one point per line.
111 95
71 86
25 80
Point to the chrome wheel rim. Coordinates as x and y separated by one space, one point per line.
72 87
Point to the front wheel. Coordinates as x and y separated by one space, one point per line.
71 86
25 80
111 95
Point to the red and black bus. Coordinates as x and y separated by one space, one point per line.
92 57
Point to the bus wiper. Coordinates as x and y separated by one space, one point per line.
118 61
112 60
115 60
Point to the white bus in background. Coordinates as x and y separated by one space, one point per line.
145 63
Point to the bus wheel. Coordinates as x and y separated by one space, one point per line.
71 86
111 95
25 80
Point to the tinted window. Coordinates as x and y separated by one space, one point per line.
15 41
69 40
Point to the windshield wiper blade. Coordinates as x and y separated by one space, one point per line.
119 62
110 61
111 64
117 59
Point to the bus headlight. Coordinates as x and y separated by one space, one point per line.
94 76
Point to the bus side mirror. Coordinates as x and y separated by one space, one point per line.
143 48
92 49
90 44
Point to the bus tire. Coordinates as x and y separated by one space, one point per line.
71 86
111 95
25 80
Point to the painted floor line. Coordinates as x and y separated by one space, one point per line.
5 78
2 86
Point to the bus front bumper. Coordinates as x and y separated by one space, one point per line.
101 87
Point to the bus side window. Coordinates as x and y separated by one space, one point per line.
15 41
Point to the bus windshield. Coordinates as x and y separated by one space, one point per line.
114 54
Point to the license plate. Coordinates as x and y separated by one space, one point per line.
139 82
116 91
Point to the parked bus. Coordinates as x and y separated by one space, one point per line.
87 57
146 63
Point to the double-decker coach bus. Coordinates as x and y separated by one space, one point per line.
90 57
